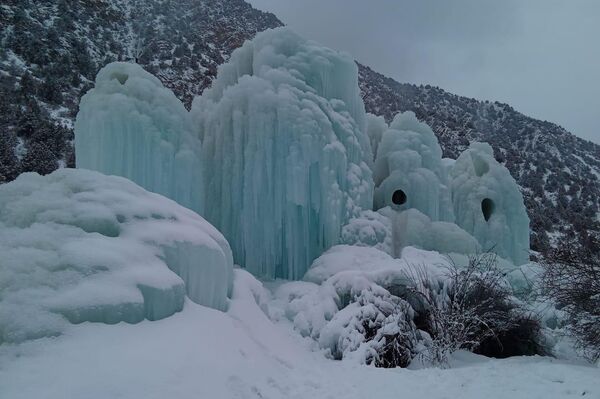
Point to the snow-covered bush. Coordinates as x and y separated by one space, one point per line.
571 278
375 328
360 304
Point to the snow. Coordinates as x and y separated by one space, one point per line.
130 125
80 246
480 185
369 229
391 230
203 353
285 151
347 258
347 284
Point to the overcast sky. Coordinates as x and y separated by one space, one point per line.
540 56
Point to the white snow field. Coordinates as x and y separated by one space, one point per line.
204 353
80 246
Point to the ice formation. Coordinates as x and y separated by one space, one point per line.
488 204
408 170
281 157
80 246
413 228
275 154
285 151
376 126
130 125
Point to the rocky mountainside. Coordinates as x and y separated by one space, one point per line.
557 171
51 51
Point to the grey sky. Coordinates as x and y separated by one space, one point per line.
540 56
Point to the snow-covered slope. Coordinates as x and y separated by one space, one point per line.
203 353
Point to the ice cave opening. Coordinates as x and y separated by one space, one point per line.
121 77
487 208
399 197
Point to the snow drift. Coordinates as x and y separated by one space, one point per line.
80 246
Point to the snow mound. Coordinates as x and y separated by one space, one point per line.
285 150
80 246
488 204
130 125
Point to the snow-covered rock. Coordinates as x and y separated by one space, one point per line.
285 150
488 204
80 246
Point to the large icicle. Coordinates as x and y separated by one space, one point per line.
285 151
130 125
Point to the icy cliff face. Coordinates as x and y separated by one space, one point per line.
408 170
488 204
130 125
80 246
285 151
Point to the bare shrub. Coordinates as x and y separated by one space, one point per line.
474 306
571 279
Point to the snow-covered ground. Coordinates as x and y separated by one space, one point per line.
204 353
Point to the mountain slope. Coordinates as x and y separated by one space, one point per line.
557 171
51 50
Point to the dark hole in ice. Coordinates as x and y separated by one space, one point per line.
487 207
399 197
121 77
